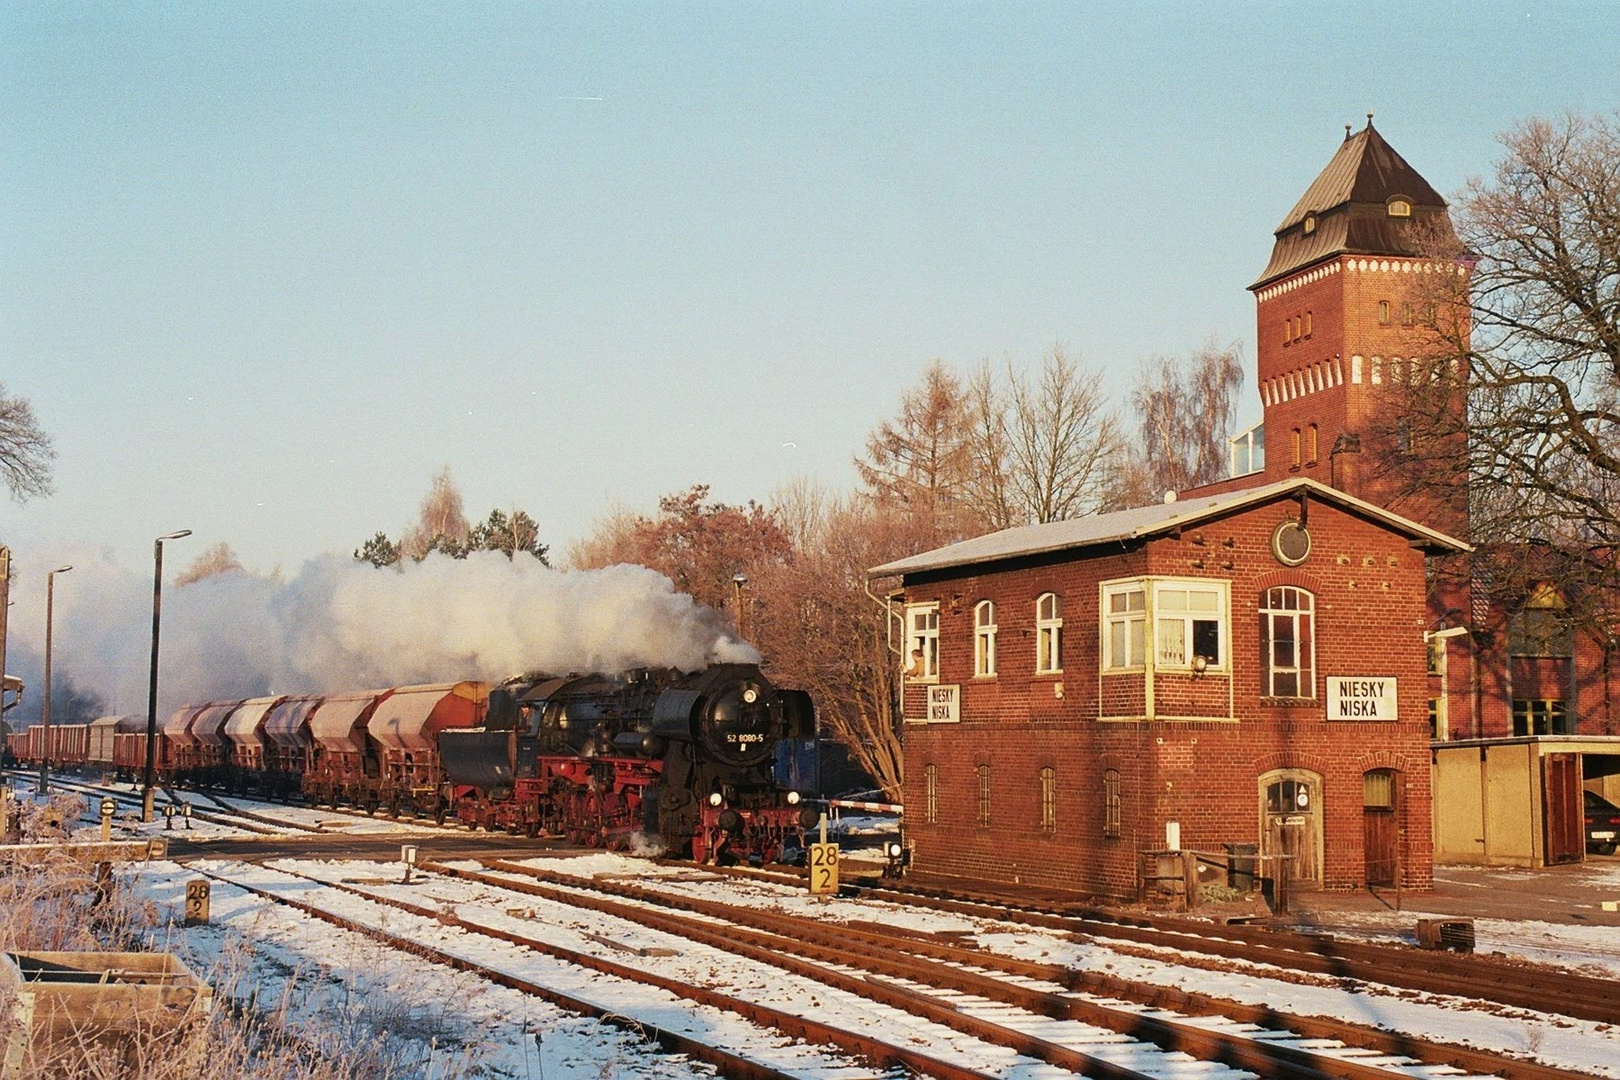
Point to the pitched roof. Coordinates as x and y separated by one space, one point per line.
1349 202
1143 522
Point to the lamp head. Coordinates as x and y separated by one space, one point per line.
175 535
62 569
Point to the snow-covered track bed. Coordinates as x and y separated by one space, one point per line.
917 972
1524 986
734 1031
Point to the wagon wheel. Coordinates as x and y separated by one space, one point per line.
439 813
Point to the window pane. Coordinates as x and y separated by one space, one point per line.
1172 600
1117 656
1171 642
1206 639
1285 684
1138 648
1203 601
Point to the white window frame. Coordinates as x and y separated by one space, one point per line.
1304 671
1129 621
922 635
1049 635
1158 614
984 639
1165 615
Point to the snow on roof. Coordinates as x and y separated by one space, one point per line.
1146 521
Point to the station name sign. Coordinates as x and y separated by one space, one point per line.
1360 698
942 705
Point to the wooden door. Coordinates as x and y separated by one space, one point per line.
1380 835
1563 820
1291 811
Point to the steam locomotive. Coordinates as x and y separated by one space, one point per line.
600 759
684 760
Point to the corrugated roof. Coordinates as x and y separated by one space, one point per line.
1141 522
1350 202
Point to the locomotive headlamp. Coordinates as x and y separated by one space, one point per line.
750 694
793 798
716 799
894 851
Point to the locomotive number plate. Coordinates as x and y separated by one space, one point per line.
823 869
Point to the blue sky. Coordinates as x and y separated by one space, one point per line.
266 268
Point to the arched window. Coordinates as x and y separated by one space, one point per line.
1048 634
983 772
1399 208
930 793
1296 447
984 639
1288 643
1310 445
1048 799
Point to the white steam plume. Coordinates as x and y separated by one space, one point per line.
343 625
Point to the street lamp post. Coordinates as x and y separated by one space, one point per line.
151 700
45 748
738 580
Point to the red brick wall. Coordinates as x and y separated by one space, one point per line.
1202 773
1312 380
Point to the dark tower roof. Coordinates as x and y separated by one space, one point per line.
1346 210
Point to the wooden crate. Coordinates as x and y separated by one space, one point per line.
66 1003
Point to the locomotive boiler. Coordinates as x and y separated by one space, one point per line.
681 759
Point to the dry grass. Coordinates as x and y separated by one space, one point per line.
371 1022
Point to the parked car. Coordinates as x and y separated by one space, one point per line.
1602 824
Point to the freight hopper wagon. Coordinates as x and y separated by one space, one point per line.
685 760
379 749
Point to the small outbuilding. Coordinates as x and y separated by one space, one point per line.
1519 801
1242 671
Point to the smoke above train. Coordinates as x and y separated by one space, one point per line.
337 624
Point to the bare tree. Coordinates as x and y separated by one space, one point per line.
25 450
441 523
1061 439
988 492
1515 396
921 460
820 629
1185 408
699 545
215 560
1506 415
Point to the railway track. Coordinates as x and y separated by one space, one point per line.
1534 987
900 1060
1252 1038
1525 986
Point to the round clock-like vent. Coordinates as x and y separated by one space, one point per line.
1291 543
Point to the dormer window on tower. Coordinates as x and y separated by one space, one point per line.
1399 206
1310 222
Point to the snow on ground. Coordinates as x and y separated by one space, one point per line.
449 1019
